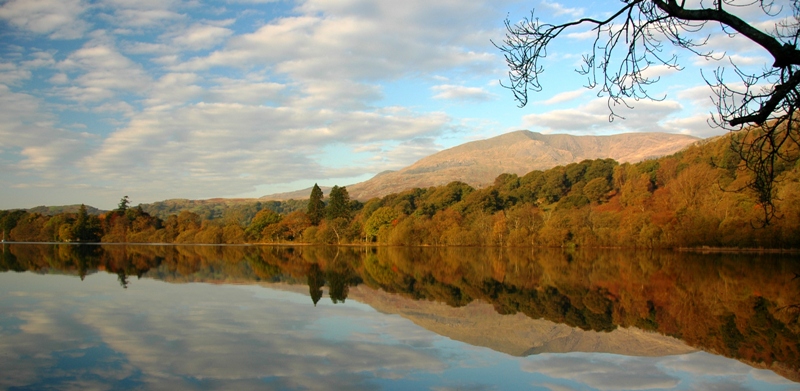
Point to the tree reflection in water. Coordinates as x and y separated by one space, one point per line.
738 305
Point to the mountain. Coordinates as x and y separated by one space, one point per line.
478 163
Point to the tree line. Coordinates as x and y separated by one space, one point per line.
698 197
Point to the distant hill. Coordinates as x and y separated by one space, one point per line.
295 195
242 209
478 163
54 210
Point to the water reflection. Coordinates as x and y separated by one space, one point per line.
735 305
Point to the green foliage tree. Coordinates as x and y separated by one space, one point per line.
262 220
596 190
445 196
600 168
382 217
555 185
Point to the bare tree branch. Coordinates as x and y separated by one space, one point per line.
633 39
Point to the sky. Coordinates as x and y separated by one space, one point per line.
197 99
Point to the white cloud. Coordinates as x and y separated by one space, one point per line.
337 94
11 74
41 146
404 154
698 125
199 36
562 97
657 71
201 148
583 35
147 48
252 91
698 94
358 40
174 89
60 19
141 14
559 9
593 118
39 59
59 78
461 93
103 72
122 107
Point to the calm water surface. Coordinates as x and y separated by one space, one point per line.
151 317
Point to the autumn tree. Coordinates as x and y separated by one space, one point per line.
9 219
295 223
30 228
263 219
634 38
316 206
381 218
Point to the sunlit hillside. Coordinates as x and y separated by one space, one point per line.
696 197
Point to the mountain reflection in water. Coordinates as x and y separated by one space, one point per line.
516 301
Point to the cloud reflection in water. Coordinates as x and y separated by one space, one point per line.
64 333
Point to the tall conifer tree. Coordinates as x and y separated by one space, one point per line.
316 206
338 204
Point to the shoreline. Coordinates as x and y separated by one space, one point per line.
700 250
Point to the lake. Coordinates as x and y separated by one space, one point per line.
352 318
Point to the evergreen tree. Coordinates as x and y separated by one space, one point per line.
82 229
86 227
123 204
316 206
338 204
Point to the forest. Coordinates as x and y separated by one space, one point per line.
698 197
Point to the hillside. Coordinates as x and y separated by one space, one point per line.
54 210
478 163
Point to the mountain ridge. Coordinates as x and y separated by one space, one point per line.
479 162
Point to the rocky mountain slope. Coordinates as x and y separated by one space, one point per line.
480 162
